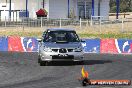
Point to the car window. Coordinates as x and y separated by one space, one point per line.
61 36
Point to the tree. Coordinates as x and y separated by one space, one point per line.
125 6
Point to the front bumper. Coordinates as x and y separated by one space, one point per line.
54 56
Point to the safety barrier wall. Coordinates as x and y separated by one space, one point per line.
29 44
3 44
91 45
113 46
20 44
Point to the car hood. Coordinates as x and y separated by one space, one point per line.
64 45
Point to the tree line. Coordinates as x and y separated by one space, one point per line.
125 6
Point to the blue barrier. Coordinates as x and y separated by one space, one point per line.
3 44
91 46
27 44
124 45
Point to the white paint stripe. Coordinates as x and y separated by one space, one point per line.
116 43
23 44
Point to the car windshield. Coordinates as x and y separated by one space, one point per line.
61 36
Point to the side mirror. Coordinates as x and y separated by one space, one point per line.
82 40
39 40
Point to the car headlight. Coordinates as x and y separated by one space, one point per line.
79 49
47 49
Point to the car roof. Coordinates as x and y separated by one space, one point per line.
60 29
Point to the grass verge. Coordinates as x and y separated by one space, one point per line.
83 33
109 35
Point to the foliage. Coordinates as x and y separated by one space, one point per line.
125 5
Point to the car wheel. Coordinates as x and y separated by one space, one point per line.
39 58
82 62
46 63
43 63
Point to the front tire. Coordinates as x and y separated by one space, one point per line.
82 62
43 63
39 59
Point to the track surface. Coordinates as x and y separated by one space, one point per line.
21 70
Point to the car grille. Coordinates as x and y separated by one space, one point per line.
55 50
63 50
63 57
70 50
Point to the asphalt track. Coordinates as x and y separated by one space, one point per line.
21 70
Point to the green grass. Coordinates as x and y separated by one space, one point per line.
82 33
109 35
